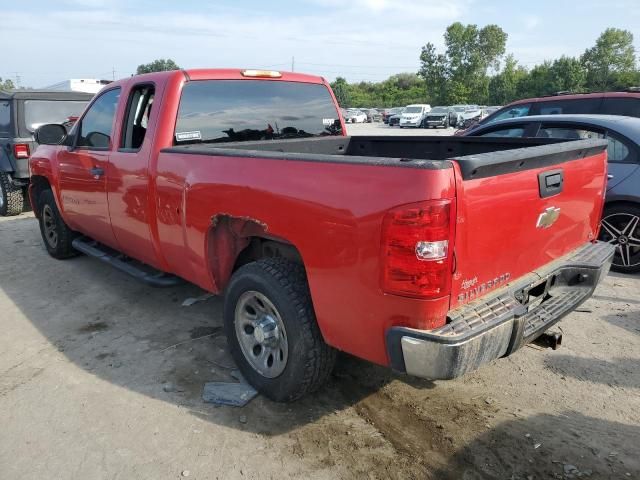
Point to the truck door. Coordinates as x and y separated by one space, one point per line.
128 176
82 184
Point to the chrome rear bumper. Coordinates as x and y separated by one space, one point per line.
500 323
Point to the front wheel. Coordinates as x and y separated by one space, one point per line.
620 226
272 331
11 197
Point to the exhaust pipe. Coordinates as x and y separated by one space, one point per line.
551 340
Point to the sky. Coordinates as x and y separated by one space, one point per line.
46 42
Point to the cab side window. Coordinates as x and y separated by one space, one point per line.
5 119
568 133
620 151
509 112
137 117
510 132
95 128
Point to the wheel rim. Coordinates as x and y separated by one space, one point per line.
261 334
623 231
49 224
1 195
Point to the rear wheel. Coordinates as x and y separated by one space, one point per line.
272 331
620 226
57 236
11 197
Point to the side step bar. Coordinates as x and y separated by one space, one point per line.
138 270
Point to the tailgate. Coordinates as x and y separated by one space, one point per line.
521 209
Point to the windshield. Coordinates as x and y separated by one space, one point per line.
40 112
413 110
244 110
439 110
459 109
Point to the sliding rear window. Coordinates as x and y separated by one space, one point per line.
214 111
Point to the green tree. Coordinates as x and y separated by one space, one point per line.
340 89
611 62
503 87
6 84
159 65
567 74
461 73
434 69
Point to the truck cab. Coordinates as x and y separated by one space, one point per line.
21 113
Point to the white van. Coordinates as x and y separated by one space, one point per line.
414 115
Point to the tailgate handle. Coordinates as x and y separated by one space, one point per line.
550 183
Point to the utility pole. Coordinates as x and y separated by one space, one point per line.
113 73
17 80
293 64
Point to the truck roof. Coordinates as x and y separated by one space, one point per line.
232 74
27 94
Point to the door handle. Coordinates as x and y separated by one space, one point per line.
96 172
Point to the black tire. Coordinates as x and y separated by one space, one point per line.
309 360
621 227
56 235
11 197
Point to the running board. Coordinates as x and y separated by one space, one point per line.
138 270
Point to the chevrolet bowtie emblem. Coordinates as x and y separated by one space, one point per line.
548 217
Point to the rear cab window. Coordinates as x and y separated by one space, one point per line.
214 111
41 112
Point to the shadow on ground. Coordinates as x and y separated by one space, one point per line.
143 339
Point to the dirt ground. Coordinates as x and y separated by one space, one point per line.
101 378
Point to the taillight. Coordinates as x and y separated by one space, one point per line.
417 250
21 150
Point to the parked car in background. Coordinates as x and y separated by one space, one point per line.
373 115
355 115
323 243
625 103
414 115
21 113
621 217
390 112
441 117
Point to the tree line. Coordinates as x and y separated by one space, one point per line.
474 68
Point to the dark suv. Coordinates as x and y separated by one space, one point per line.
21 112
625 103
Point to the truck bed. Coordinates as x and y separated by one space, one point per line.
478 157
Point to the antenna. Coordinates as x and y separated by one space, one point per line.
293 64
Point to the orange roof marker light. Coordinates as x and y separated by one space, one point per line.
261 73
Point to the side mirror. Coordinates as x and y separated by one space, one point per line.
51 134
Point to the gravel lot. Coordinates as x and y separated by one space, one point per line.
101 377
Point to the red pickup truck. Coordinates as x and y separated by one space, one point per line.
430 255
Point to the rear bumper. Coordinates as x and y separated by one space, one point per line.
499 324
